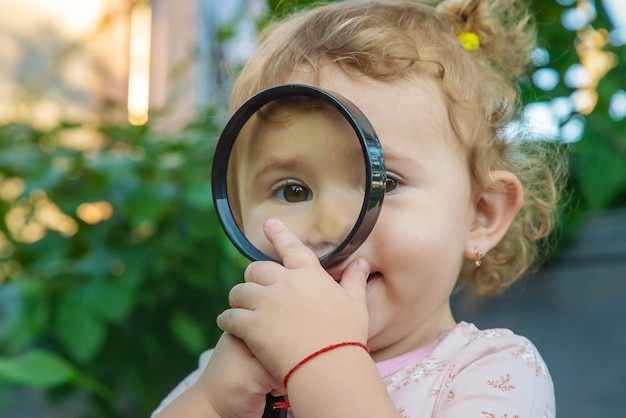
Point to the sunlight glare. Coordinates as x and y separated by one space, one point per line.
139 64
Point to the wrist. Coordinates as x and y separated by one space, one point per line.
345 381
321 379
321 352
203 401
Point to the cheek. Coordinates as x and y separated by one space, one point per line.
257 238
252 227
429 248
297 218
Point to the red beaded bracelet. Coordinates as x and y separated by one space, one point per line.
319 352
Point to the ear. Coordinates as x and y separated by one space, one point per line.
495 209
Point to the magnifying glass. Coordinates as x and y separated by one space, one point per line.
308 157
303 155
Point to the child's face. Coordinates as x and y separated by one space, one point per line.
304 167
417 246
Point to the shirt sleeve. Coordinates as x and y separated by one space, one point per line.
186 383
498 376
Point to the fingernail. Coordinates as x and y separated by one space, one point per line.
363 266
270 221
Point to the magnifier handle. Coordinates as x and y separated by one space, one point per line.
270 411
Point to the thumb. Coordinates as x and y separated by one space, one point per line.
354 278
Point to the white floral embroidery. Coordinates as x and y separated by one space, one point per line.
493 333
491 415
424 369
529 355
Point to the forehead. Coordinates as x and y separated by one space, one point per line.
296 127
398 107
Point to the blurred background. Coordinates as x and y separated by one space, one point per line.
113 266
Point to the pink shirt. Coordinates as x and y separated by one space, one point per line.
465 372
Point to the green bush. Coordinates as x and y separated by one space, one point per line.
124 305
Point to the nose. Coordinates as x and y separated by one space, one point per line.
333 216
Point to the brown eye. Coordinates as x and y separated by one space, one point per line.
391 184
293 193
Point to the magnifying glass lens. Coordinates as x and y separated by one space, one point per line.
298 160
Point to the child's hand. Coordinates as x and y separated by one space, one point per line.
284 313
234 382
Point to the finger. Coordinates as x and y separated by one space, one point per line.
235 321
354 279
289 248
245 296
261 272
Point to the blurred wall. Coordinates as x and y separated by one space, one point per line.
61 59
69 59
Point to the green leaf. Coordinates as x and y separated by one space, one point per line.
44 369
199 195
46 180
145 205
22 158
282 7
189 333
110 299
97 262
601 167
24 310
225 32
80 331
118 170
36 368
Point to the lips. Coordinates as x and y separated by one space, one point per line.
374 276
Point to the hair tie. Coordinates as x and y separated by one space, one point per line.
469 40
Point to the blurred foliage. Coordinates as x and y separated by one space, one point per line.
124 299
598 155
113 266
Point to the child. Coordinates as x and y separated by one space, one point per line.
467 202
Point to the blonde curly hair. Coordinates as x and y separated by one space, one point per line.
388 39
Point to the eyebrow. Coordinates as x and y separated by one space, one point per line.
393 156
401 159
277 164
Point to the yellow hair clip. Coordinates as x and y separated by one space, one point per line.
469 40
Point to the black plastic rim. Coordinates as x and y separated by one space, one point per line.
372 153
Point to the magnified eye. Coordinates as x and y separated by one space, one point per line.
292 192
391 184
